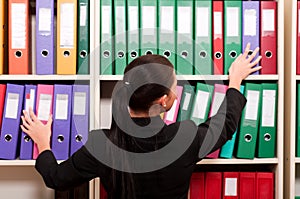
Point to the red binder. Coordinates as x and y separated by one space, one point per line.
298 41
247 185
197 186
264 185
230 185
19 36
213 185
44 103
268 44
2 100
103 193
218 39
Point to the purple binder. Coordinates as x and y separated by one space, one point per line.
44 37
80 117
251 17
61 121
10 130
26 142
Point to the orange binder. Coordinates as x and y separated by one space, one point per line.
2 34
19 36
66 37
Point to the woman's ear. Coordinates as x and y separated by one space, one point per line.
163 100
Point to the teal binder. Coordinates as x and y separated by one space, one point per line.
186 103
148 28
232 32
185 41
133 37
228 147
166 33
202 102
268 126
120 36
106 33
83 37
203 37
249 122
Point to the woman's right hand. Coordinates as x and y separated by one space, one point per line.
242 67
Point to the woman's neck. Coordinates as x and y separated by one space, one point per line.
150 113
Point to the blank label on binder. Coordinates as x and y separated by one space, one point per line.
250 17
149 20
83 15
167 19
268 108
18 17
218 23
201 104
202 22
61 109
105 22
184 20
67 25
186 102
252 105
171 112
45 21
79 103
268 21
231 187
12 105
232 22
218 99
44 107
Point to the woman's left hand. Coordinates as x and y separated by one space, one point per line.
40 133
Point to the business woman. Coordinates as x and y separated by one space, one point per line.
140 157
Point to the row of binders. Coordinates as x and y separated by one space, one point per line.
256 135
198 37
227 185
69 105
67 47
232 185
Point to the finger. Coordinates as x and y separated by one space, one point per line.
25 123
27 118
251 57
32 115
255 69
25 130
246 51
256 61
49 122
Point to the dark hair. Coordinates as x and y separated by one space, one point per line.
146 79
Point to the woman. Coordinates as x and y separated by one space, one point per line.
140 156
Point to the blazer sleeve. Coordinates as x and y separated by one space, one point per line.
215 132
79 168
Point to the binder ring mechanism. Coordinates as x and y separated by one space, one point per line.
267 137
27 138
78 138
83 54
18 54
149 52
67 53
218 55
248 137
45 53
8 137
121 54
232 54
60 138
268 54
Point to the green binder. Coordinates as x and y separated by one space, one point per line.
120 36
298 122
148 26
228 148
203 37
232 32
133 41
202 102
268 125
83 28
106 31
186 103
185 41
249 122
166 33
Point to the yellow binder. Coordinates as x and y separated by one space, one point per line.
66 37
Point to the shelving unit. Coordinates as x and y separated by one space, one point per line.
276 164
291 162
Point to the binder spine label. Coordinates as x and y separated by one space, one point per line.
44 107
67 25
201 104
268 108
79 103
18 16
12 105
61 109
202 22
45 21
232 21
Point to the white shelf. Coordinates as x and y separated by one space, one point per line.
297 160
45 77
18 162
197 77
240 161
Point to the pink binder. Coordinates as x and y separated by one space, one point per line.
171 116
